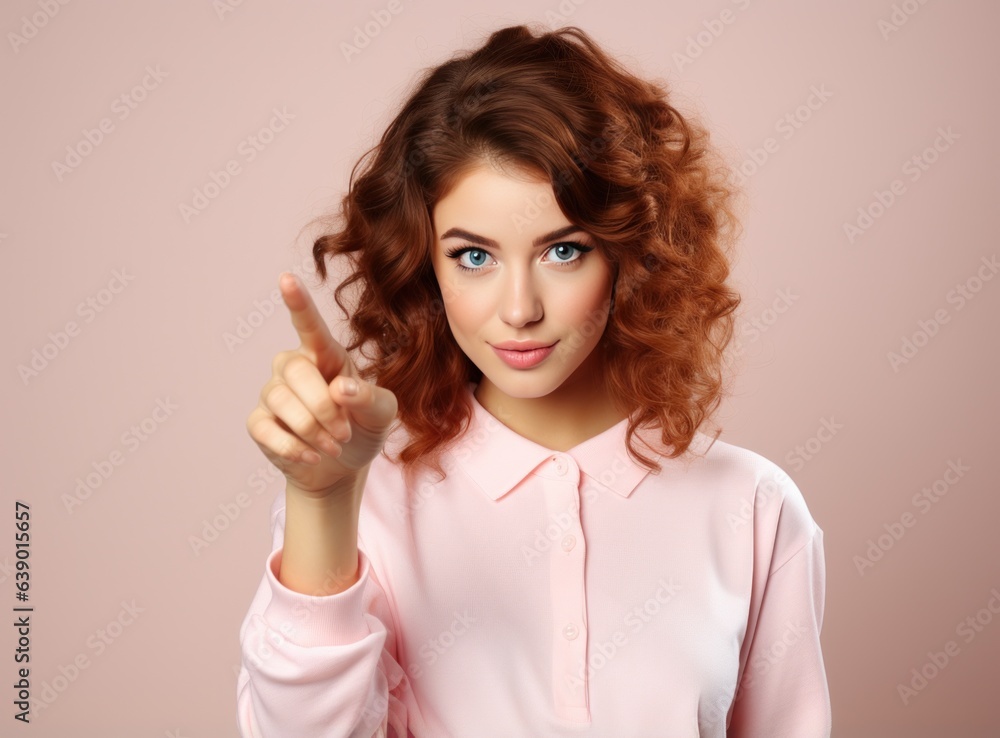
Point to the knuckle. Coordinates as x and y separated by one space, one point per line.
289 449
258 431
257 417
279 361
265 391
308 426
275 393
297 364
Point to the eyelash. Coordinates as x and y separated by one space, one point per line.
457 252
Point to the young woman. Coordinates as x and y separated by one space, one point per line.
546 543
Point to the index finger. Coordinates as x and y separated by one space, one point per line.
313 331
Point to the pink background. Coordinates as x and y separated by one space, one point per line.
828 311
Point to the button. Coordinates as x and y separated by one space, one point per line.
568 542
560 465
570 632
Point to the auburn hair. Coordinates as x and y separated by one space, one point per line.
624 165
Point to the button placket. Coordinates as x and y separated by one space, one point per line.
569 617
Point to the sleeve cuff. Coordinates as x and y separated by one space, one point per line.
328 620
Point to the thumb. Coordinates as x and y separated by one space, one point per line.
371 407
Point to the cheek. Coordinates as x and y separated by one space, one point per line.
458 294
589 302
464 311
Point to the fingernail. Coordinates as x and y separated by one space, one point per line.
328 443
350 387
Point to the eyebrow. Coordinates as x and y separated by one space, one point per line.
461 233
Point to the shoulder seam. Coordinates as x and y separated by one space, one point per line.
812 536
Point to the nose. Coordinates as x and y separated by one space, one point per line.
520 302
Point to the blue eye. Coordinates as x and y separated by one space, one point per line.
564 247
474 255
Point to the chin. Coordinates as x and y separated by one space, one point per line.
523 389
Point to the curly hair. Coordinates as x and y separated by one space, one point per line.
624 165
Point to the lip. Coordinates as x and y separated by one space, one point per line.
534 355
521 345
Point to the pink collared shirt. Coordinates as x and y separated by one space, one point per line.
543 593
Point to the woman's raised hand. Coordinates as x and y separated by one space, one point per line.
307 422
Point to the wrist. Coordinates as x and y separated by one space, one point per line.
347 487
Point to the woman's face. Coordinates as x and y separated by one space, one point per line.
534 282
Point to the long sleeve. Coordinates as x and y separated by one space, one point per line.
783 692
319 667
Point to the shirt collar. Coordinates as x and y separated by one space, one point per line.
497 458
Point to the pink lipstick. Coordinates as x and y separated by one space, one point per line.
531 356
